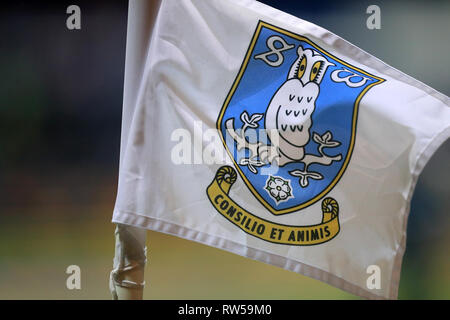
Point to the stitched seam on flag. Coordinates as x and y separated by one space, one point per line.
422 159
325 276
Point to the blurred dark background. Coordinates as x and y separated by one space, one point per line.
60 119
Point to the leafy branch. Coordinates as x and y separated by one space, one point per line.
324 141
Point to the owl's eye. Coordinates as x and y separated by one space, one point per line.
315 70
302 67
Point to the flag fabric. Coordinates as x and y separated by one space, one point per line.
253 131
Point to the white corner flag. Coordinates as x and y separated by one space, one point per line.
253 131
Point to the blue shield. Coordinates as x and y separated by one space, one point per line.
289 120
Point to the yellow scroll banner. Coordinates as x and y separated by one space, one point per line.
266 230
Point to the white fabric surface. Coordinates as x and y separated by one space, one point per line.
181 71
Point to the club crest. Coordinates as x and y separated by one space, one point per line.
289 122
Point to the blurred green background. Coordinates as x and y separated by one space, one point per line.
60 113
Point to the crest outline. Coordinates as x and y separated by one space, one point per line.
354 119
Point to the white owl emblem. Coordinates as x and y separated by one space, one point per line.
288 120
292 105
